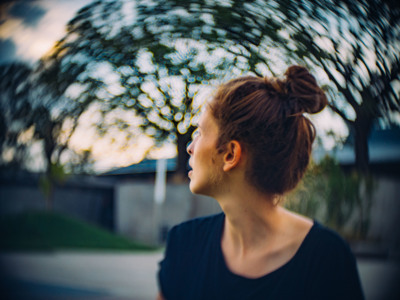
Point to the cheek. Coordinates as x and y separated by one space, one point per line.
216 163
216 176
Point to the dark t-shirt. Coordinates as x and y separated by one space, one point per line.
194 267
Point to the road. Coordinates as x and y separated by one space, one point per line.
122 276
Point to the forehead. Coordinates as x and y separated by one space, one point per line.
207 120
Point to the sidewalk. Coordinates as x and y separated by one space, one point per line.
380 278
81 275
122 276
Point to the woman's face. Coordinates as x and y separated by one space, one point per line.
205 160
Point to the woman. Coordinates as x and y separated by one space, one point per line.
252 146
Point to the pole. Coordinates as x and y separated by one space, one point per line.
159 195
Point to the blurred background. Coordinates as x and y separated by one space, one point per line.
98 100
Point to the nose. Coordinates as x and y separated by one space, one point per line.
189 148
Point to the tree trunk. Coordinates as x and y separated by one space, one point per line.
49 148
362 129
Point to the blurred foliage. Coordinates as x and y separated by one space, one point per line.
30 118
15 110
354 43
152 57
306 198
157 76
338 199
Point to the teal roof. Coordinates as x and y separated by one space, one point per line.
145 166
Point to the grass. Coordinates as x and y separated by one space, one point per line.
46 231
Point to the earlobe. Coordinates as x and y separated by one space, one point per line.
232 156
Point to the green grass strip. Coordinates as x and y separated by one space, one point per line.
47 231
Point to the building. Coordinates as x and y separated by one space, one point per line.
139 216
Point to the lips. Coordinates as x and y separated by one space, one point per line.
190 170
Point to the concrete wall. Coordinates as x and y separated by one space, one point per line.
20 198
138 217
81 198
385 214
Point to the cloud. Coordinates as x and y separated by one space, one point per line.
29 12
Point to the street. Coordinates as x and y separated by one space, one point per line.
122 276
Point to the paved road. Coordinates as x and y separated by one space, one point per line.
77 275
122 276
380 279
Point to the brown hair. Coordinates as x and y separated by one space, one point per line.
266 116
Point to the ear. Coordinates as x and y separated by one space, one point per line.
232 155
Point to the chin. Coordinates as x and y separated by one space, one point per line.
199 189
195 188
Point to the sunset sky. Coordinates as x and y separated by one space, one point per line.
28 29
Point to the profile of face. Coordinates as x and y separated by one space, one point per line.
205 159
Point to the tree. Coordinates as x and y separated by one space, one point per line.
15 112
158 80
261 37
165 92
341 200
355 44
29 117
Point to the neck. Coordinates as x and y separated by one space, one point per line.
252 218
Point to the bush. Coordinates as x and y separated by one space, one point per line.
338 199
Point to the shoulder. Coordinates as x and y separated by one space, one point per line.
195 230
188 245
331 265
327 240
327 250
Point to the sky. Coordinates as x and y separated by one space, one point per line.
29 29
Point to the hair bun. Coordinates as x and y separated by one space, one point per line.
304 89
